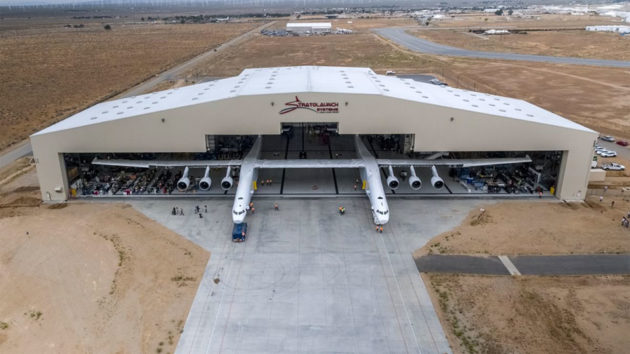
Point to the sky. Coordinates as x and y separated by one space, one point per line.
229 2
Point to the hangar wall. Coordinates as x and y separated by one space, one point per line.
436 128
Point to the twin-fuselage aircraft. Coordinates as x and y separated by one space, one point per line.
368 165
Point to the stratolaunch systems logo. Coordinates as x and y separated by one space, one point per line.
317 107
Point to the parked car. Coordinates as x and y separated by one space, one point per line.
613 167
609 153
607 138
437 82
622 143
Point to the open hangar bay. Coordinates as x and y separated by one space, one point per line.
309 113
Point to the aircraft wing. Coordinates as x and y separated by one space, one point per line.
167 163
454 162
315 163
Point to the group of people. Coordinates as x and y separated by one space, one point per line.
342 211
268 182
356 184
625 221
198 210
276 207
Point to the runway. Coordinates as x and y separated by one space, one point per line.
401 37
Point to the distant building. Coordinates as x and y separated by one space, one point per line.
496 31
309 27
618 29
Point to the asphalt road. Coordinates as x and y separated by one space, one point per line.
398 35
461 264
573 264
22 149
527 265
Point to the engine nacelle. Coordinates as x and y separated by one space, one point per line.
227 182
414 181
392 181
184 182
436 180
205 182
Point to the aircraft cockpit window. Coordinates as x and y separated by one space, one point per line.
379 198
383 212
238 212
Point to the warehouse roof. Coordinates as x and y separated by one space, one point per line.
318 79
322 25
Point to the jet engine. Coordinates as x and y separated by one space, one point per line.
227 182
436 181
392 181
414 181
205 182
184 182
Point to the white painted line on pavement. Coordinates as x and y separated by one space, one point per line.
509 265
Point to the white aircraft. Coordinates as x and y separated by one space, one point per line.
367 164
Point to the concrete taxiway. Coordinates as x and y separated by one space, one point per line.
310 280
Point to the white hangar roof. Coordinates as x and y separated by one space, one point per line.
318 79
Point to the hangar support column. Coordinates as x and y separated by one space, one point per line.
51 172
573 177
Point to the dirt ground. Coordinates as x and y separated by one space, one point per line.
49 72
592 96
358 49
538 227
586 314
84 278
581 44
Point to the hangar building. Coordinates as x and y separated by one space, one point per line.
292 107
309 27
